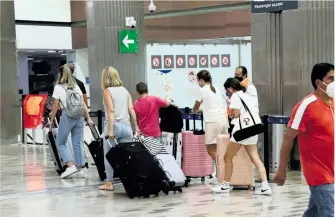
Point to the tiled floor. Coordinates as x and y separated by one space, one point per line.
30 187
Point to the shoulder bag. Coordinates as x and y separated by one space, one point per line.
249 131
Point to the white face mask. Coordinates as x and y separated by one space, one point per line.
330 89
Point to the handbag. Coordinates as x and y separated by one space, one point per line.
249 131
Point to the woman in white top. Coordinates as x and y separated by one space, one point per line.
242 119
215 113
69 124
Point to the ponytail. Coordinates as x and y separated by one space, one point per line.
206 76
211 85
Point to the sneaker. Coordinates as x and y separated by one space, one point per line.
265 190
68 172
222 188
80 174
214 181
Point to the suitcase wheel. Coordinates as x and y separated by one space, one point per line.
202 179
251 188
156 194
211 177
180 190
59 172
146 196
86 165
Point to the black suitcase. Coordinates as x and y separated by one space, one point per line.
97 151
138 171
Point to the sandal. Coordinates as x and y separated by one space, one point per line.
107 187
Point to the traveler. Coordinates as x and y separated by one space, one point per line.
147 111
240 113
119 109
215 114
71 121
312 120
241 74
79 83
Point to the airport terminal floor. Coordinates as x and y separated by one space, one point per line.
31 187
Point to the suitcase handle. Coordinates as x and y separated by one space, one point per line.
56 122
108 141
96 131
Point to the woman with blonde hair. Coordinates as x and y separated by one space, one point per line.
119 109
69 124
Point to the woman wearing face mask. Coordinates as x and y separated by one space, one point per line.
238 112
312 121
214 112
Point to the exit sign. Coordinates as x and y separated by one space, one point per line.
128 40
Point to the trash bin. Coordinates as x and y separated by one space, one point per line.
277 134
275 126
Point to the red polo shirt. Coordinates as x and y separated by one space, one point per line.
314 120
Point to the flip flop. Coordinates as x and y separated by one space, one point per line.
107 187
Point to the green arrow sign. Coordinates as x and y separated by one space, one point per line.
128 41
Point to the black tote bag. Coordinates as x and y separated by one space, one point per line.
249 131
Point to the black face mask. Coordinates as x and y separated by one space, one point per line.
239 78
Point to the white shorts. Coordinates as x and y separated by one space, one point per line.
249 141
214 129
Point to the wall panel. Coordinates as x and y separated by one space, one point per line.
285 51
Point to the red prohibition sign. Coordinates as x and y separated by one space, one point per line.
214 60
191 61
180 61
225 60
203 61
168 61
155 62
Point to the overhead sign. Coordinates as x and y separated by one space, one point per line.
215 60
156 62
168 61
225 60
128 40
180 61
203 61
192 61
268 6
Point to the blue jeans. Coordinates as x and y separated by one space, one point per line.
75 126
321 201
122 133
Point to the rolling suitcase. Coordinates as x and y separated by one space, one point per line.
60 166
243 173
174 175
196 161
138 171
173 144
97 151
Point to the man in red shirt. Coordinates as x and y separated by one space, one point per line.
147 111
312 120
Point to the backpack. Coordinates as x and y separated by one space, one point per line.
74 104
171 119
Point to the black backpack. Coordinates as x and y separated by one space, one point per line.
171 119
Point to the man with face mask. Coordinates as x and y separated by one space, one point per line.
312 120
241 74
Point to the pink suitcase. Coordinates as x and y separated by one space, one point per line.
243 173
196 160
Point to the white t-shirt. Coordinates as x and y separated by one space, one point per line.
212 105
250 101
252 91
60 93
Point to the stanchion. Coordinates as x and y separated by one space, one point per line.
266 148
